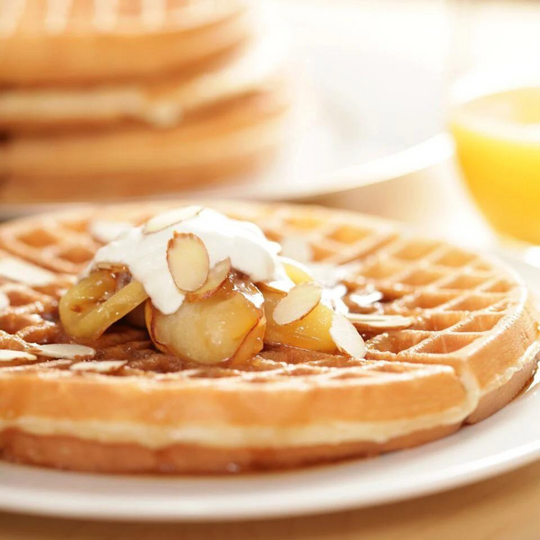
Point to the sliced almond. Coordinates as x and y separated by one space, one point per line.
216 278
366 299
167 219
346 337
107 231
25 272
379 322
299 302
71 351
188 261
8 356
334 297
337 304
99 366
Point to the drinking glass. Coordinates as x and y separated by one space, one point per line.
494 111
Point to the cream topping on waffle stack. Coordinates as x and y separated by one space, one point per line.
471 349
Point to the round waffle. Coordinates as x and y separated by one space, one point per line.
230 138
63 41
158 102
128 408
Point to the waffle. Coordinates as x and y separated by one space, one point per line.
74 41
159 102
229 139
157 94
472 348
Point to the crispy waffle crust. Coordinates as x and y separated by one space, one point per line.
51 41
227 139
471 350
159 102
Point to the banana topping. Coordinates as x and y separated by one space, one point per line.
210 289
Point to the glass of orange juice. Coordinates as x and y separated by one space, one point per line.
494 112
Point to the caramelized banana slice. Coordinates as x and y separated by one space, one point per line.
230 325
312 332
137 317
92 305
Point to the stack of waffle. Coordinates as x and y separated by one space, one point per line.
133 97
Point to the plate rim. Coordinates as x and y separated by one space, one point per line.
64 504
417 158
30 502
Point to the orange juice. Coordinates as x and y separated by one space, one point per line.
497 138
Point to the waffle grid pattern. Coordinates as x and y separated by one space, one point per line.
456 297
57 16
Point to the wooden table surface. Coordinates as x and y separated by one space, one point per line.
504 508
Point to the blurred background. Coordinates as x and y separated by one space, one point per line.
426 111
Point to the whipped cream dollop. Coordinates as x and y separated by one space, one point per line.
143 250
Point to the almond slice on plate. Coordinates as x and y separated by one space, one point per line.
8 356
25 272
299 302
188 261
162 221
216 277
99 366
379 322
346 337
71 351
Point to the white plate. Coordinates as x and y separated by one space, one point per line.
363 113
372 101
507 440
